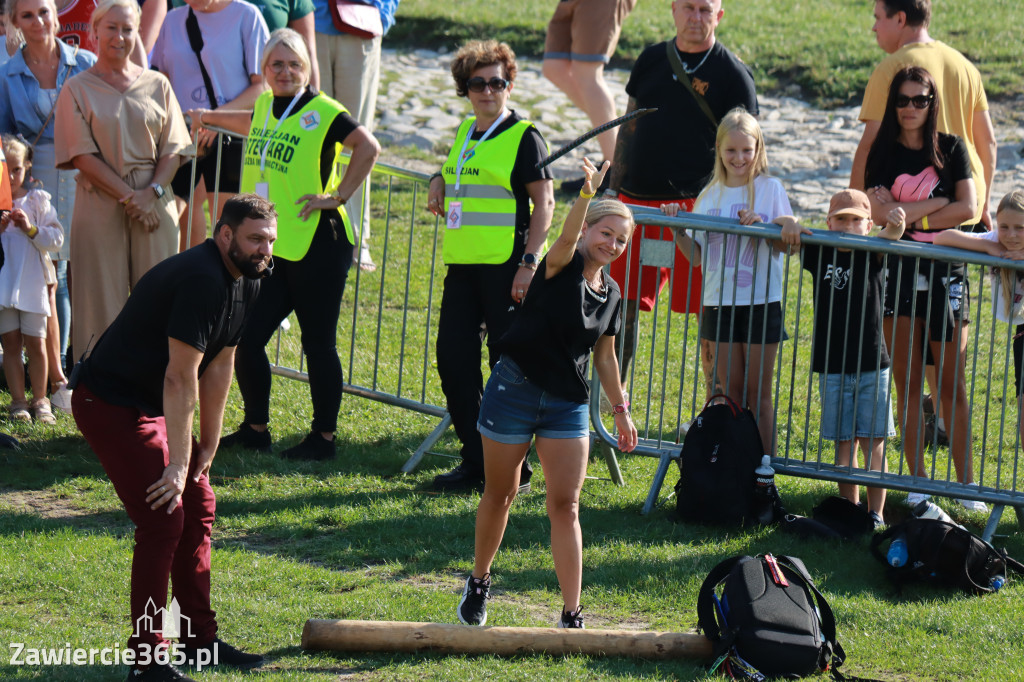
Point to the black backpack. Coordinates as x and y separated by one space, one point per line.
770 619
716 478
946 554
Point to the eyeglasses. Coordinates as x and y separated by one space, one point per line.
279 66
478 84
919 101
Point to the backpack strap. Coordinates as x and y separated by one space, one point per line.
1010 562
733 407
828 619
707 613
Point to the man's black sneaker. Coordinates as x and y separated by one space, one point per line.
313 447
575 186
572 620
473 605
461 478
218 652
157 673
248 438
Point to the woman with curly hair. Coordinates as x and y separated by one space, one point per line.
492 241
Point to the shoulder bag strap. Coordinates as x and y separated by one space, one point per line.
53 109
684 78
195 41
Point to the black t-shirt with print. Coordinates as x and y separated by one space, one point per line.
848 288
554 334
190 297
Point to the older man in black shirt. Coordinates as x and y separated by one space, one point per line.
172 345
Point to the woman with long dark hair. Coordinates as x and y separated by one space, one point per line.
911 165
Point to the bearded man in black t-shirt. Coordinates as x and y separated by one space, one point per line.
171 346
668 155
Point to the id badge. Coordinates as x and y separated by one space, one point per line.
454 215
262 190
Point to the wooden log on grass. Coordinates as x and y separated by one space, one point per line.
395 636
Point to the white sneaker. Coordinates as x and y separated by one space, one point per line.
61 398
914 499
973 505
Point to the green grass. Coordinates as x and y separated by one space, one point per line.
353 538
825 47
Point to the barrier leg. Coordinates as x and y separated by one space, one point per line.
993 521
434 436
610 459
1020 516
659 479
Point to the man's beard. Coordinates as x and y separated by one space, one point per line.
254 267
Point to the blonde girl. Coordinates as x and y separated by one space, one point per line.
29 233
741 325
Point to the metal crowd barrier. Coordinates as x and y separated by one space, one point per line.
665 378
667 389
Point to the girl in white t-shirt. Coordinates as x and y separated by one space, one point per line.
741 323
28 234
1006 241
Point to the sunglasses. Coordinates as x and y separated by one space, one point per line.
478 84
919 101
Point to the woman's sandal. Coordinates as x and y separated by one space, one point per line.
19 412
42 412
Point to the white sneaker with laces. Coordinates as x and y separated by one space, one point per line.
914 499
61 398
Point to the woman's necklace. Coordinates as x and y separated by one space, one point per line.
51 61
686 68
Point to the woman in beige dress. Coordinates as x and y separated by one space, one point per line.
121 127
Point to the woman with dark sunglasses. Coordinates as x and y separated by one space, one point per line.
492 238
913 166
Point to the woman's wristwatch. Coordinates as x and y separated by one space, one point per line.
621 408
529 260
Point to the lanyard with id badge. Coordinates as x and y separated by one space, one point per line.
262 188
454 217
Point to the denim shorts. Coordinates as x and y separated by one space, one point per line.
867 394
513 409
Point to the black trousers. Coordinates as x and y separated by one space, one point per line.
476 298
313 288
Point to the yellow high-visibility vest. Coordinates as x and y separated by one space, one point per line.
293 167
487 232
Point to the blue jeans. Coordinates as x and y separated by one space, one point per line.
63 309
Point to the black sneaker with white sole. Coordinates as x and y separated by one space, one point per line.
572 620
473 605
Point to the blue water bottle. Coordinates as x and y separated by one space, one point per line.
897 555
997 582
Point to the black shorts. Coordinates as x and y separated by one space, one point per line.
755 324
945 304
206 169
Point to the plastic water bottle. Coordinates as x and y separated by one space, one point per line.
897 555
764 491
926 509
997 582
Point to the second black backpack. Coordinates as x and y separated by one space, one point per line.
944 553
769 619
720 452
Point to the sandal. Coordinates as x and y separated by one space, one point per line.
364 260
42 412
19 412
